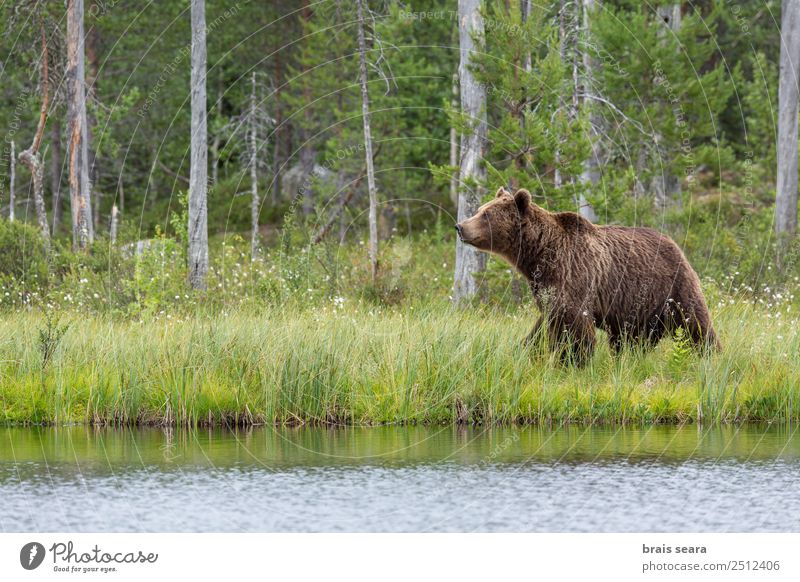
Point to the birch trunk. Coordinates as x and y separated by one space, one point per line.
114 224
373 195
469 261
786 187
80 200
198 172
255 203
121 193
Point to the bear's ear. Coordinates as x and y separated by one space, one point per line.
522 198
501 191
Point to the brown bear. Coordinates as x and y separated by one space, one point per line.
634 283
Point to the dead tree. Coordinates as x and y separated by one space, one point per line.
255 202
80 200
198 171
470 261
114 227
373 194
31 157
786 187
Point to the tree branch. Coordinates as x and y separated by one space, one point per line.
37 140
176 175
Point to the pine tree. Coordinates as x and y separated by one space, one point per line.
660 93
533 129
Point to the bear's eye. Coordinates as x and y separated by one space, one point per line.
486 214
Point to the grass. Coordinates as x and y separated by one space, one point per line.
360 365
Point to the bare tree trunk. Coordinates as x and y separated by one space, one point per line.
591 166
33 161
255 203
55 175
454 146
198 174
31 157
373 194
786 187
12 194
469 261
121 192
670 15
666 185
114 224
80 201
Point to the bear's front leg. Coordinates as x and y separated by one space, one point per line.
572 337
534 333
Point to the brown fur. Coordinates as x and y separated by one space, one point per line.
634 283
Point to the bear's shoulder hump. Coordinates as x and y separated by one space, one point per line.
573 222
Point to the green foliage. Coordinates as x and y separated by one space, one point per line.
666 89
179 219
682 350
23 263
50 335
759 103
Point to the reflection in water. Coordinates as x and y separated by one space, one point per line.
401 479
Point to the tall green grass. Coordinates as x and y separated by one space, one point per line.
364 365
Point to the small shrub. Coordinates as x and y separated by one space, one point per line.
49 337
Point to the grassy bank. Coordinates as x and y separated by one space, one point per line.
360 365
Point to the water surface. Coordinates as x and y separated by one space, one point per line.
533 479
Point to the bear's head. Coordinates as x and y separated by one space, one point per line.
497 226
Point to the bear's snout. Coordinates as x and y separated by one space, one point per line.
470 232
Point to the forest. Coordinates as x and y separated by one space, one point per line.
241 212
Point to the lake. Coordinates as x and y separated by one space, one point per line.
530 479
